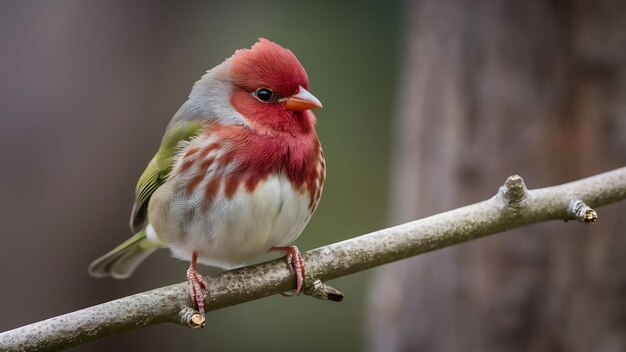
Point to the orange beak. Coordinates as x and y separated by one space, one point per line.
303 100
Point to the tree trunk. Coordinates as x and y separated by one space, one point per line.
494 88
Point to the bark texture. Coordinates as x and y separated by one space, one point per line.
493 88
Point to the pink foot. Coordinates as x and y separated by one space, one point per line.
197 286
295 261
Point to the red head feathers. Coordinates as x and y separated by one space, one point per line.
271 89
267 64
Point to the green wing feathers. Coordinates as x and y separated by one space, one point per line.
159 168
122 260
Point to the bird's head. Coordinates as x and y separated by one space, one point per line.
271 88
264 87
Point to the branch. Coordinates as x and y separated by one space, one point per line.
513 206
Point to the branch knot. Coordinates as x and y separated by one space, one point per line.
514 192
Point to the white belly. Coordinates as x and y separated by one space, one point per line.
233 231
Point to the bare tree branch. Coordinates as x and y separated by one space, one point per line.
513 206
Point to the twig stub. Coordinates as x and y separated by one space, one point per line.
192 318
323 291
582 212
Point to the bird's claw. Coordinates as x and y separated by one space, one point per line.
296 263
197 288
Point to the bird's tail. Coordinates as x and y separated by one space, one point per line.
122 260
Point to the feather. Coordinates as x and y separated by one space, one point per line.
159 168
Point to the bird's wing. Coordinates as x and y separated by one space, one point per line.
159 167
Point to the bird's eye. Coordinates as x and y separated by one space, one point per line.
264 94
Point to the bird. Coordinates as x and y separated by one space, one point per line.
239 172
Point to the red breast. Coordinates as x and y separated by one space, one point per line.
247 158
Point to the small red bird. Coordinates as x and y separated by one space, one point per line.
239 171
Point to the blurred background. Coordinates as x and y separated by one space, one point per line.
87 88
428 105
